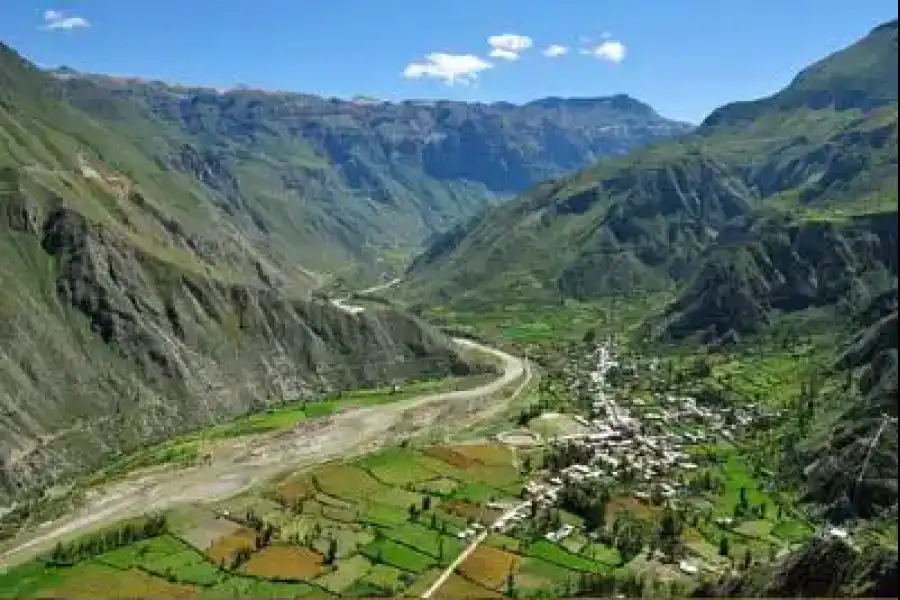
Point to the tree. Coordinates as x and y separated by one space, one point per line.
426 503
748 559
511 584
724 547
331 553
413 512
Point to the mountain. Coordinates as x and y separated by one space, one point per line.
135 305
775 212
849 464
821 568
764 266
824 147
362 181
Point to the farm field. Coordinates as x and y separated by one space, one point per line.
390 522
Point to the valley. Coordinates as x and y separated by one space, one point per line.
259 343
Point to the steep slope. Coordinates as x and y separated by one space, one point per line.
767 265
849 463
133 306
367 180
826 143
822 568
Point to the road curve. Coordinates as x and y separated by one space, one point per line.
247 461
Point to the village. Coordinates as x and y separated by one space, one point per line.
639 447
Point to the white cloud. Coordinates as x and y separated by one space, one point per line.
610 50
450 68
555 50
508 46
54 19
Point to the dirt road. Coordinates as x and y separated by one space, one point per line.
244 462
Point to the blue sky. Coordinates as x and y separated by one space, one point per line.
683 57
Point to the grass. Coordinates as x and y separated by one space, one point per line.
554 554
89 579
284 562
548 323
792 530
251 587
737 477
425 540
401 466
29 579
463 589
386 577
346 573
389 552
489 567
166 556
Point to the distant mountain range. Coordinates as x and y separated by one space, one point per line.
334 182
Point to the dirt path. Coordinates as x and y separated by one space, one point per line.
453 566
248 461
469 550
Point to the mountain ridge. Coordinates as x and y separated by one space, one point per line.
657 209
135 306
367 176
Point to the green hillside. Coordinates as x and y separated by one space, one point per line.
825 147
350 188
133 305
776 220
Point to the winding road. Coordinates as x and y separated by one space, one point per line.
241 463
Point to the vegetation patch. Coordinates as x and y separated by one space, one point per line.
552 553
486 454
401 466
94 580
425 540
439 486
387 578
165 556
471 511
346 573
284 563
206 530
489 567
224 550
422 582
389 552
628 505
450 456
460 587
253 587
295 489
